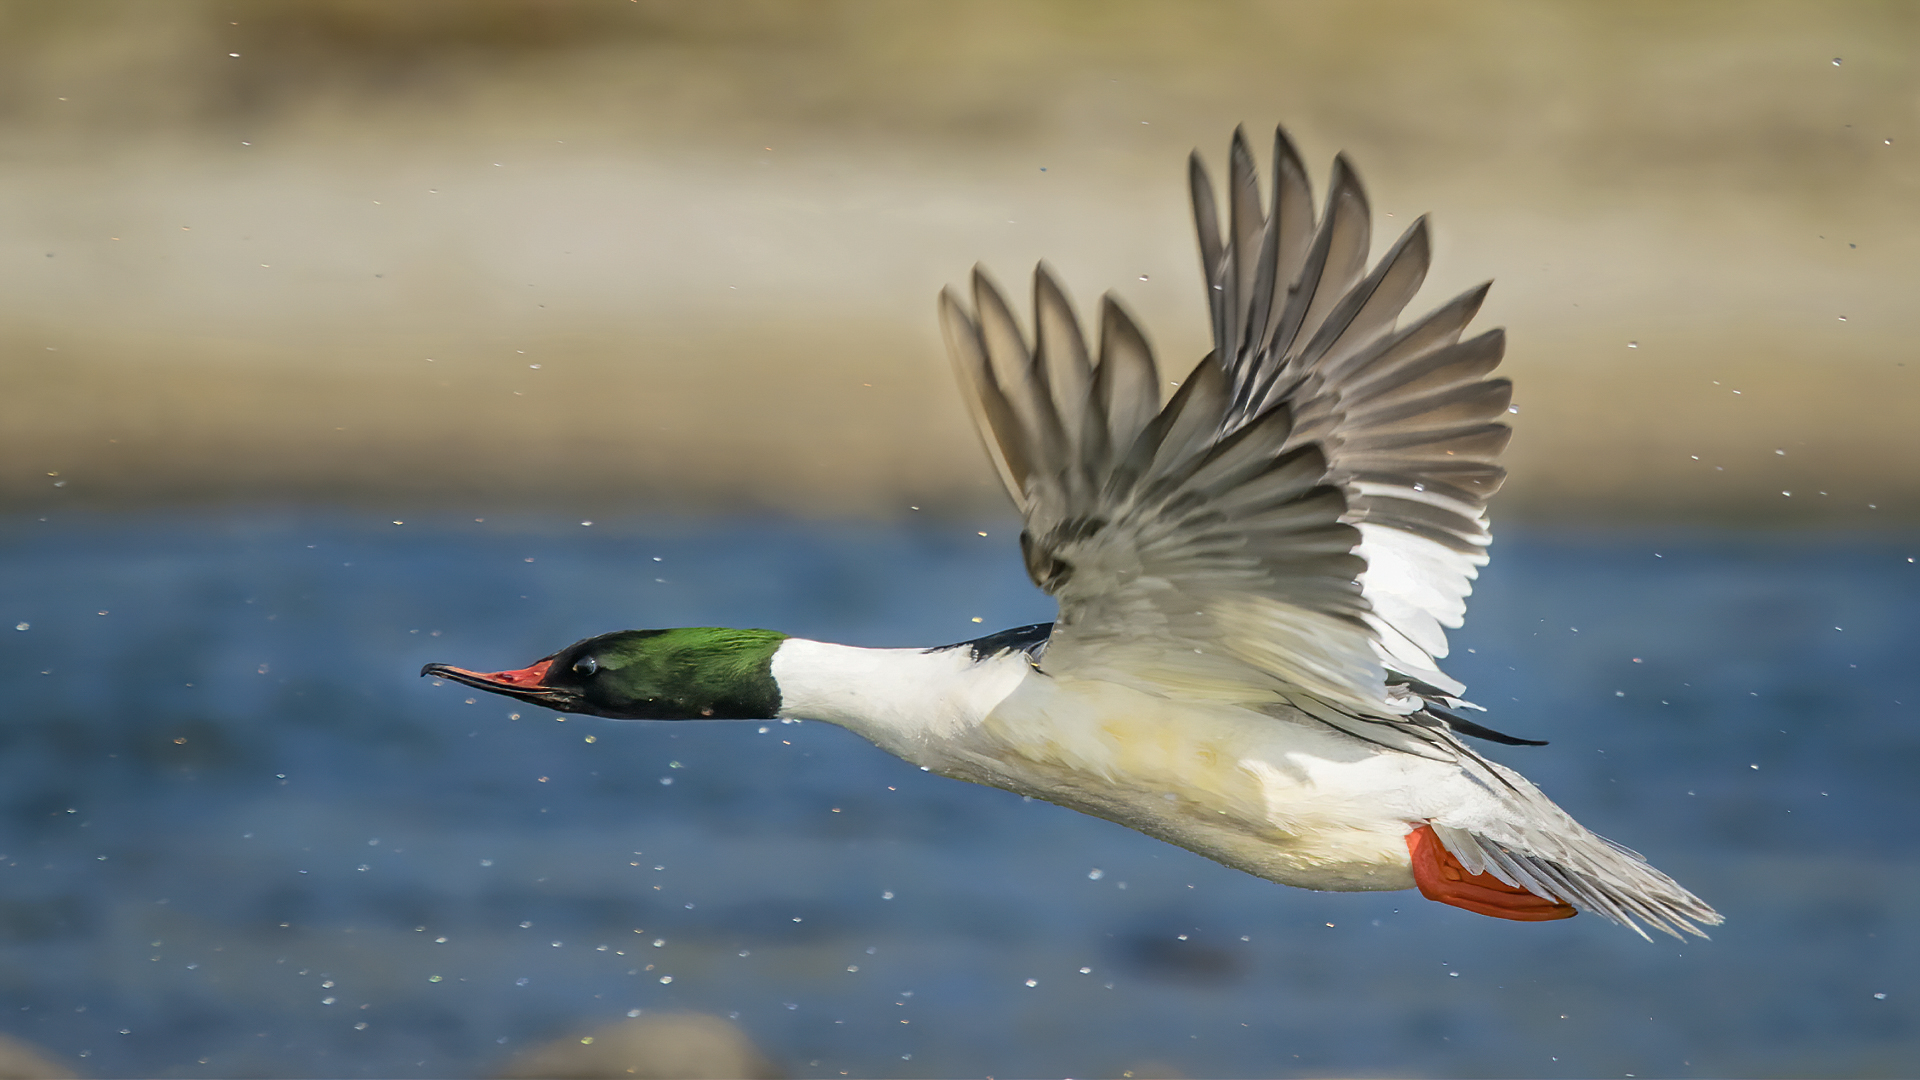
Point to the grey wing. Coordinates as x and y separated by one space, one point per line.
1304 514
1408 417
1298 526
1186 554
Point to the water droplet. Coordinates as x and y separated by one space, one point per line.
433 978
23 626
888 895
1633 344
1836 61
1033 982
1096 874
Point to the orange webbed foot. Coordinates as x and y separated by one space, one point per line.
1441 877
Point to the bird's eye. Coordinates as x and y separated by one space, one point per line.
586 665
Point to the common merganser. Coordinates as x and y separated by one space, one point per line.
1254 581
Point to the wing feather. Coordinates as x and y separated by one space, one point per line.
1062 354
992 415
1206 224
1126 384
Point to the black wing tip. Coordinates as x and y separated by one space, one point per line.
1199 180
1029 639
1345 183
1239 147
989 301
1468 727
1047 280
1114 312
1479 731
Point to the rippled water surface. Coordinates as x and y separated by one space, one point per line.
239 836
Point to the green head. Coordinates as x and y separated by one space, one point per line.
693 673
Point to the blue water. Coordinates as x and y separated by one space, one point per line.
235 827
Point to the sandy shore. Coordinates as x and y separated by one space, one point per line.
536 255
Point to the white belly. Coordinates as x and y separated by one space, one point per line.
1290 801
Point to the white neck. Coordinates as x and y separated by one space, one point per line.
907 701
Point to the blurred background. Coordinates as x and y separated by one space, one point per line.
343 336
579 253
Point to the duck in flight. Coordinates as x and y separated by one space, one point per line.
1255 578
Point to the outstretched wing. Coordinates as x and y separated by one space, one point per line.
1301 522
1408 417
1183 556
1303 515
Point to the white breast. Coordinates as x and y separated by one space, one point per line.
907 701
1292 801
